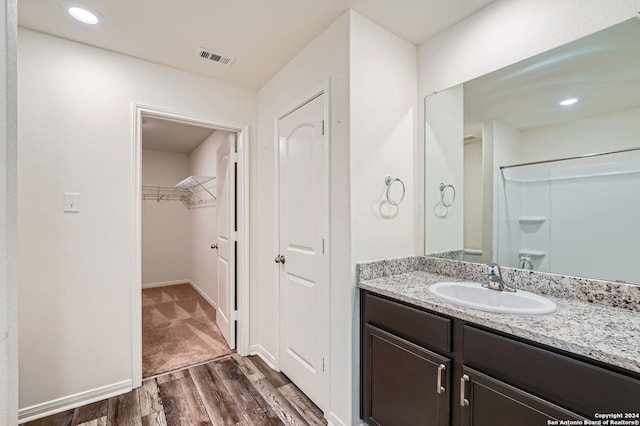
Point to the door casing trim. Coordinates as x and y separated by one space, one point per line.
242 130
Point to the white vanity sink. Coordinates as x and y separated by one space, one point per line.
473 295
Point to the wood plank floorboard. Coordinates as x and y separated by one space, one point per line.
307 409
101 421
172 376
232 391
155 419
254 408
285 412
277 379
149 396
182 405
90 412
248 368
124 410
217 400
60 419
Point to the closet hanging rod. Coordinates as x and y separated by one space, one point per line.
597 154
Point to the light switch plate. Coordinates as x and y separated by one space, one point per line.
71 202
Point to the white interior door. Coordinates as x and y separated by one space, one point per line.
302 257
227 239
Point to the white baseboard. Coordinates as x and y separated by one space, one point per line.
269 359
185 281
72 401
203 294
165 283
333 420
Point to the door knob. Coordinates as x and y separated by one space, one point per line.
214 246
279 259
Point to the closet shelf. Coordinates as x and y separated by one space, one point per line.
190 191
532 253
191 182
532 219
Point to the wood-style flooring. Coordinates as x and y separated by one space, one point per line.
233 390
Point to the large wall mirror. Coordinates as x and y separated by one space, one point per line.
537 165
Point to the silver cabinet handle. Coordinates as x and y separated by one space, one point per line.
440 388
279 259
214 246
463 401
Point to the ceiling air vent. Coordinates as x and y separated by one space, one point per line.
215 57
471 138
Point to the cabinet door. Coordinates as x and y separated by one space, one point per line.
485 401
403 384
579 386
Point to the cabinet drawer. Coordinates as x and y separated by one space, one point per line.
577 385
422 328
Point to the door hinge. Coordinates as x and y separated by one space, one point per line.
234 315
234 157
322 127
234 236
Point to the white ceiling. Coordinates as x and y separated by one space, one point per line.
602 70
262 35
172 136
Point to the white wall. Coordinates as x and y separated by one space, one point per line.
589 203
505 146
8 160
166 225
602 133
324 59
176 241
443 128
372 127
501 34
86 124
473 195
383 126
594 218
204 265
382 96
75 271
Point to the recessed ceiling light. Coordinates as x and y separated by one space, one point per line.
83 14
568 101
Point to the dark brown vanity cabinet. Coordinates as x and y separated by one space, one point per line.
558 380
403 382
485 401
422 368
407 384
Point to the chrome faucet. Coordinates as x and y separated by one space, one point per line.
494 279
526 262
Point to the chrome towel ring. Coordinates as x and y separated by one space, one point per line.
389 181
443 189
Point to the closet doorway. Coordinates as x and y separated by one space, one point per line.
189 229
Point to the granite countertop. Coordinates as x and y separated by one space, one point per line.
602 333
